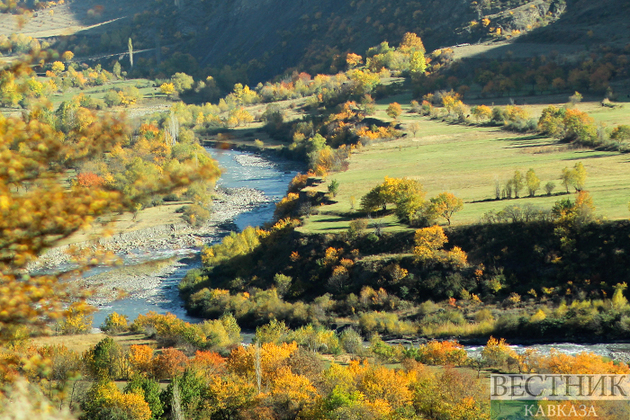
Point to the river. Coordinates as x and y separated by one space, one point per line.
240 169
243 169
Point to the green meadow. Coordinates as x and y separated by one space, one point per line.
467 161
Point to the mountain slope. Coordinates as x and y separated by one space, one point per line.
260 39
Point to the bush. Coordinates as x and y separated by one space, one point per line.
357 227
115 323
385 322
351 341
439 353
316 339
196 215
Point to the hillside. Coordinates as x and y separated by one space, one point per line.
587 23
255 41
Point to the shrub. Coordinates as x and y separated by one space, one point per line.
316 339
439 353
115 323
497 353
196 215
357 227
384 322
351 341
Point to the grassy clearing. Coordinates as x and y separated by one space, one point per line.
145 86
82 342
466 161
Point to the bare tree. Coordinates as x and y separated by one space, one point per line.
172 132
176 404
130 46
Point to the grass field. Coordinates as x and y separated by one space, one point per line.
466 160
82 342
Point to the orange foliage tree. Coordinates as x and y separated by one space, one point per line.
169 363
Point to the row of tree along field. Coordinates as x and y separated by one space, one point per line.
565 123
282 375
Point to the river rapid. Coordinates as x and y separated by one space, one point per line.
245 172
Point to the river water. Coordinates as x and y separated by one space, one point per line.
240 169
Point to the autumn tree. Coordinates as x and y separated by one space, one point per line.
141 358
353 60
428 242
497 353
104 401
429 248
412 45
115 323
532 182
446 204
620 134
167 88
169 363
575 177
517 183
394 110
67 56
414 127
38 210
481 112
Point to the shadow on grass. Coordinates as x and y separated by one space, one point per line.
487 200
332 219
591 156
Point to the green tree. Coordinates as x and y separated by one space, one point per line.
620 134
102 359
532 181
117 69
549 187
417 63
333 187
182 82
150 390
407 194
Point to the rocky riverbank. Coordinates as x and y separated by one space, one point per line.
151 255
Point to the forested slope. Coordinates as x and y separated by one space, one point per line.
254 41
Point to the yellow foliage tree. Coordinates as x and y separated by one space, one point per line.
140 358
446 204
77 319
428 242
167 89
